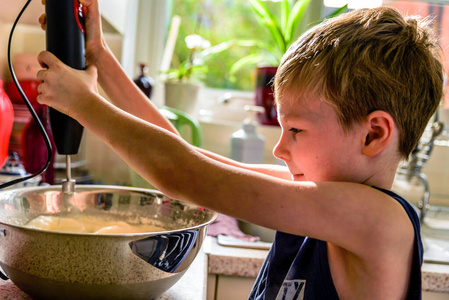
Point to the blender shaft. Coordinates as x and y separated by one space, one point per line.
68 185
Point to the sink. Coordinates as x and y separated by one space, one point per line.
435 235
436 221
227 111
266 237
436 250
224 106
221 113
265 234
216 133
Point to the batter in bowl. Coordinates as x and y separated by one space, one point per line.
88 224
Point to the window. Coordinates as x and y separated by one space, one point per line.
224 20
220 21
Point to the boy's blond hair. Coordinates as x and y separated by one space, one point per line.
367 60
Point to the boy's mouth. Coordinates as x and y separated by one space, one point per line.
298 177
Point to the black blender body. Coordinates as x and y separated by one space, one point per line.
65 39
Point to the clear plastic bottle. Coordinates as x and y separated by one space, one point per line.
246 144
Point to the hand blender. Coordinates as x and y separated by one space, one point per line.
65 39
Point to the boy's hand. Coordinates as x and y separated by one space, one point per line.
94 35
63 88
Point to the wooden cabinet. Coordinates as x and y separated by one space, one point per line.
223 287
435 296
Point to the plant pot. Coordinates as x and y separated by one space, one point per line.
265 95
182 96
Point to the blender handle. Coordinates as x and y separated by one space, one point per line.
65 39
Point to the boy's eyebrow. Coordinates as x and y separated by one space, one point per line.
302 117
298 110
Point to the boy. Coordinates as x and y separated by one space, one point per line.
354 95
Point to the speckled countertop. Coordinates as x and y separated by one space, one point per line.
234 261
191 286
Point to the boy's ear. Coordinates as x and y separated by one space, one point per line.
380 128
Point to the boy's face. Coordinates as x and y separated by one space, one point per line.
313 144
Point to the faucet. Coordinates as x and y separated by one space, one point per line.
227 97
419 157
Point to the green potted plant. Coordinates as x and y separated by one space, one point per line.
182 84
283 32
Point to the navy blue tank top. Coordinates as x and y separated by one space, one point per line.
297 267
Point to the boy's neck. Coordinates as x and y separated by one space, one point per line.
383 179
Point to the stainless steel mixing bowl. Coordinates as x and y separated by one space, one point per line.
58 265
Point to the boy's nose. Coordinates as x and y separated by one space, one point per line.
280 150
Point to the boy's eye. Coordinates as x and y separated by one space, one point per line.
294 130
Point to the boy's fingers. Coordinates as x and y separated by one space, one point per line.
47 59
41 60
40 77
43 21
40 88
92 17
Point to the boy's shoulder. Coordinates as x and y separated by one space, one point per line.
393 253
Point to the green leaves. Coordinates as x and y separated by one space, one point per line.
266 19
338 11
199 49
282 31
185 71
297 12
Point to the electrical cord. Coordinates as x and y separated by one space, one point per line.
30 108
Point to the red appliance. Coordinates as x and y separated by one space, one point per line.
34 149
6 122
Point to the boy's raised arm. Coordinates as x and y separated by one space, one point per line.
120 89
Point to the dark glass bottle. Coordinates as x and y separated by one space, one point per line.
143 81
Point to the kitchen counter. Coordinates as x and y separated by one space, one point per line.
233 261
191 286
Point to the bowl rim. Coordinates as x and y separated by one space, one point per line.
213 214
